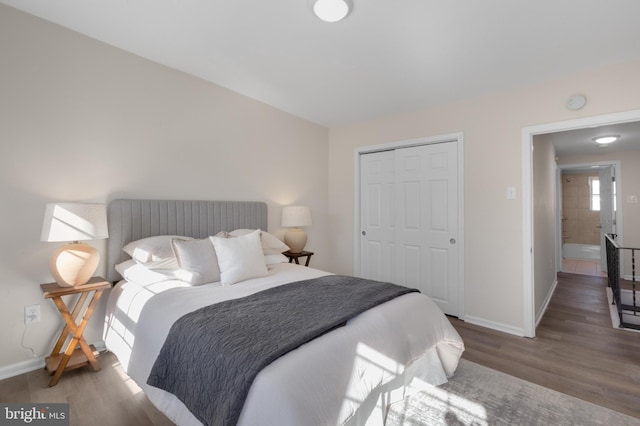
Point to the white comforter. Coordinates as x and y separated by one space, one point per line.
347 376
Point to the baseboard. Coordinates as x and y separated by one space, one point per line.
545 304
100 346
27 366
517 331
21 368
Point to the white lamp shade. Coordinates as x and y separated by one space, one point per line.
296 216
74 222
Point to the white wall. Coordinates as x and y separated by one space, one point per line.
492 128
83 121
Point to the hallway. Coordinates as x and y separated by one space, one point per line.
582 267
576 350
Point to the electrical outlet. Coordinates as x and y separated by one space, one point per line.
31 314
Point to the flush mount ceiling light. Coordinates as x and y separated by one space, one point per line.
331 10
604 140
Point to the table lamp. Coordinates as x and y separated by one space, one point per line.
74 263
296 217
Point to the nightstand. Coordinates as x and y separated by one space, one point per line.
295 256
77 352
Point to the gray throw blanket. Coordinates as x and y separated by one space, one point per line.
212 355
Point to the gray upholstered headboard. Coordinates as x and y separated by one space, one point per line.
130 220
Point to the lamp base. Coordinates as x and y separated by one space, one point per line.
73 264
295 238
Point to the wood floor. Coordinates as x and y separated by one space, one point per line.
104 398
575 352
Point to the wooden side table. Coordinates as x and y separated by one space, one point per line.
296 256
77 353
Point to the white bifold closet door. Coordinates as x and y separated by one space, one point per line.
409 219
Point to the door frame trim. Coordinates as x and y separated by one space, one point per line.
527 197
451 137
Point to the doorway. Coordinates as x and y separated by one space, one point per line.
528 133
408 217
587 203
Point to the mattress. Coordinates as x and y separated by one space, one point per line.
345 377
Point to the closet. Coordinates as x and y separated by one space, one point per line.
409 220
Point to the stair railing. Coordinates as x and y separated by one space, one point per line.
613 272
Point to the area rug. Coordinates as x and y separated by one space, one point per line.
480 396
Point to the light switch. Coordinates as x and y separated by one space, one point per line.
511 192
633 199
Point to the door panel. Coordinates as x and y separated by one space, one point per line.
409 272
439 205
377 216
409 219
438 278
411 193
427 211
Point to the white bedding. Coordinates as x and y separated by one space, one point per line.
339 378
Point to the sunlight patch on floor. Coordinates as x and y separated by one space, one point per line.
444 408
129 383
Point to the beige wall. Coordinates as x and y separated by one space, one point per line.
579 222
83 121
544 220
492 127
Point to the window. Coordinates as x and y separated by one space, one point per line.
594 191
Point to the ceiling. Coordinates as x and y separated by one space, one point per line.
386 57
580 142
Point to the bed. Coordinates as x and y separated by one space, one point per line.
348 375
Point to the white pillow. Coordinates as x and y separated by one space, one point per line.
270 243
154 252
240 258
270 259
197 261
133 271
